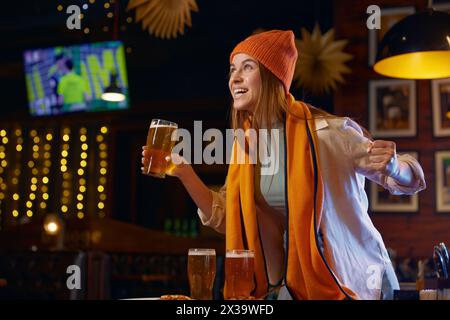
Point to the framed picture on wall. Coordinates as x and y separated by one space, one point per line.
441 6
389 17
381 200
392 108
440 96
440 93
442 172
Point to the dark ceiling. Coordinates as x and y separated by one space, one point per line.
191 67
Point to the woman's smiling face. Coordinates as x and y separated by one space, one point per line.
244 82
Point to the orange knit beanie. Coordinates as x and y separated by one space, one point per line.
275 50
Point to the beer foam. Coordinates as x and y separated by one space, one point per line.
237 254
164 126
202 252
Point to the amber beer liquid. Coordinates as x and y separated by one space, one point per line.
239 271
201 273
159 146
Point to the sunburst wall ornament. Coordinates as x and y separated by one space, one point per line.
321 61
164 19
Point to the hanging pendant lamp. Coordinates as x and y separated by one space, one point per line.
113 92
417 47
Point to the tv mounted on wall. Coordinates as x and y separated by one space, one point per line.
68 79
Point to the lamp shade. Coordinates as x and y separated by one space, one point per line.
113 92
417 47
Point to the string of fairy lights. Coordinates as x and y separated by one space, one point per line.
32 165
81 172
82 181
3 165
30 185
103 155
66 175
45 196
17 171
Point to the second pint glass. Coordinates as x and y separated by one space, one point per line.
239 271
159 146
201 273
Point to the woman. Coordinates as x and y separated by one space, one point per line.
307 223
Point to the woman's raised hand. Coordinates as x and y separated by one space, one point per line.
383 157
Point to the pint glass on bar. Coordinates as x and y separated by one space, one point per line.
159 146
239 271
201 273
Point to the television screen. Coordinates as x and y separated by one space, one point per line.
73 78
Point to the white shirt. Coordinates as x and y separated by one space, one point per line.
352 245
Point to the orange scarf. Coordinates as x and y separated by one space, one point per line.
307 274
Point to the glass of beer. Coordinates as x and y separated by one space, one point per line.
201 273
239 271
159 146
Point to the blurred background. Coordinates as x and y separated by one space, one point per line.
71 188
